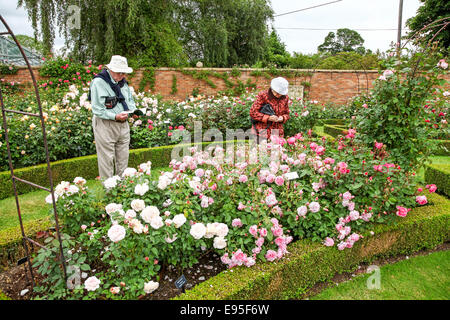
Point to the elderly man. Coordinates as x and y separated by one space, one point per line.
112 103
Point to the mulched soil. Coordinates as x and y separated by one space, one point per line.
16 279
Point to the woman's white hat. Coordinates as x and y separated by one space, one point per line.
280 85
119 64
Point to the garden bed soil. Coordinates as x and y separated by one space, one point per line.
16 279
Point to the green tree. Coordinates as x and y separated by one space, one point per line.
133 28
224 32
277 53
430 11
345 40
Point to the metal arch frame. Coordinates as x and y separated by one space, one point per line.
14 178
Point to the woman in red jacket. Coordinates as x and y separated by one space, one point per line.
264 124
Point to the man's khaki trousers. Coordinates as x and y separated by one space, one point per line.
112 141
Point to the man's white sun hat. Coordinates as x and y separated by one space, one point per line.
280 85
119 64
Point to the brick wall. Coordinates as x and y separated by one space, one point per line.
336 86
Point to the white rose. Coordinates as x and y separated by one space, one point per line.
129 172
179 220
301 211
72 189
170 240
157 222
220 243
137 205
211 230
150 286
221 230
111 182
141 189
136 225
198 230
80 181
130 214
149 213
116 233
113 207
92 284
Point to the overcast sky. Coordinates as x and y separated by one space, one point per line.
351 14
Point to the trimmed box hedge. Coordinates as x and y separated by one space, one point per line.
439 174
311 263
334 130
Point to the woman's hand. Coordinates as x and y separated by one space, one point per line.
273 118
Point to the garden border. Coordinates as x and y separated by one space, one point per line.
311 263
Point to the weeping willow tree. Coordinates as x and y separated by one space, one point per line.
155 32
224 32
140 29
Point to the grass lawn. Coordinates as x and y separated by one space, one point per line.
33 206
418 278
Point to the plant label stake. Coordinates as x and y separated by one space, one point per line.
180 283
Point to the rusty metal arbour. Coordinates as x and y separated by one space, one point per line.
14 178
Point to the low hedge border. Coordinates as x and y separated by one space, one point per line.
310 263
334 130
86 167
439 174
11 245
339 122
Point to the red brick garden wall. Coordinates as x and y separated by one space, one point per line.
336 86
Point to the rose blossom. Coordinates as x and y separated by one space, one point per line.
137 205
150 286
116 233
114 290
198 230
431 187
237 223
253 230
149 213
301 211
179 220
220 243
141 189
314 206
401 211
328 242
279 181
271 255
421 200
243 178
92 283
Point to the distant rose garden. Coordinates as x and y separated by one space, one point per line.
243 202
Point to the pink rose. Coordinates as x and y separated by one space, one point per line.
279 181
237 223
271 255
253 230
328 242
431 187
243 178
421 200
320 150
270 178
259 242
291 140
401 211
263 232
378 145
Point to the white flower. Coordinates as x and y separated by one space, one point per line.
314 206
129 172
170 240
61 188
157 222
163 182
80 181
211 230
72 189
167 203
179 220
92 284
113 207
149 213
136 225
198 230
116 233
150 286
137 205
221 230
141 189
220 243
146 167
111 182
301 211
130 214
